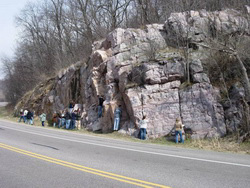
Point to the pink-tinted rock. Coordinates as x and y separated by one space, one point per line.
136 69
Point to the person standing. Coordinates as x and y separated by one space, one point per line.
67 119
100 106
117 117
71 106
73 119
29 118
25 115
33 117
59 118
63 120
178 130
43 118
55 119
21 116
143 127
78 119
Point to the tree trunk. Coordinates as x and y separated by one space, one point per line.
246 85
245 79
144 12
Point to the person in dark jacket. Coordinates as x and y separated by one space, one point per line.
67 119
59 117
73 119
29 117
100 106
71 106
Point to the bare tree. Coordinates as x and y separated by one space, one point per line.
112 12
56 15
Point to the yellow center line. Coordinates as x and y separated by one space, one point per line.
83 168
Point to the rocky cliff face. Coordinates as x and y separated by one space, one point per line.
198 26
139 70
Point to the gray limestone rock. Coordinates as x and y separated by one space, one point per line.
197 26
196 66
234 108
200 111
200 78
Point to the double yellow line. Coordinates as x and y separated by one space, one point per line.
113 176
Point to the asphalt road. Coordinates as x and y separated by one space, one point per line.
33 156
3 104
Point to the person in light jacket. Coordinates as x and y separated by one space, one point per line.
178 130
143 128
43 118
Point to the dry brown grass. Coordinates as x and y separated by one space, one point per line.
227 144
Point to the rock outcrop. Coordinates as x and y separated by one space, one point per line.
199 26
140 71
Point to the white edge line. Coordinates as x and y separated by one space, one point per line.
135 150
64 131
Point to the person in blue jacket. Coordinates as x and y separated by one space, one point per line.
117 117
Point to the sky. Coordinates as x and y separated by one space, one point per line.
8 31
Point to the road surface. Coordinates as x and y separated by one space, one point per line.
33 156
3 104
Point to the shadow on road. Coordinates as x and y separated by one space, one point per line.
45 146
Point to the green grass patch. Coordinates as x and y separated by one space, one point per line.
185 85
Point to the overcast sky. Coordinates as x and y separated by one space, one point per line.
8 32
